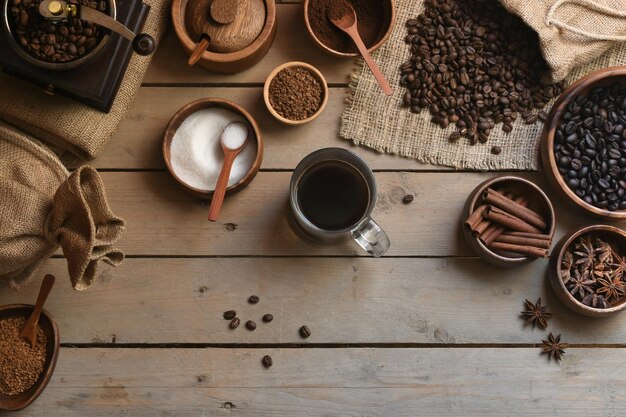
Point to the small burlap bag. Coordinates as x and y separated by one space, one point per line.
381 123
68 125
43 207
572 32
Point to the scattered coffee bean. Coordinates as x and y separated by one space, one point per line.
253 299
496 150
590 147
267 361
408 199
542 115
475 65
230 314
267 318
63 41
250 325
234 323
305 332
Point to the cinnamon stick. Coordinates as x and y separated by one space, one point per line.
495 230
507 220
523 241
496 199
481 227
474 219
530 235
522 250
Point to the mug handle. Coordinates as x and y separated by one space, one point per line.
372 238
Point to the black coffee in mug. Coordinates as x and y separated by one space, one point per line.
333 195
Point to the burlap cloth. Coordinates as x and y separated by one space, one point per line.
66 124
43 207
379 122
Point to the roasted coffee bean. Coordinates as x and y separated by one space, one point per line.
305 332
590 149
267 361
496 150
230 314
250 325
408 199
253 299
267 318
476 65
234 323
54 42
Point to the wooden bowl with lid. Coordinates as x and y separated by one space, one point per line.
225 62
539 202
313 71
206 103
51 330
609 234
389 18
601 78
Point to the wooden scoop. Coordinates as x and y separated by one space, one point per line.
29 332
223 25
347 22
230 153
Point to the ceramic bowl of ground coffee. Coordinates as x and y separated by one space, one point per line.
25 372
583 145
375 19
193 152
588 270
295 93
509 221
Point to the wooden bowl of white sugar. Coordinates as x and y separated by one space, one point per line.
193 153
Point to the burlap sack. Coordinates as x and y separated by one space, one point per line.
379 122
42 208
572 32
66 124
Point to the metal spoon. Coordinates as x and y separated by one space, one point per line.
348 23
29 332
227 139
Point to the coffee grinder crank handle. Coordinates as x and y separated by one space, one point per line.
143 44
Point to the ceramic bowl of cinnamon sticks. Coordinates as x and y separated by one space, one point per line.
509 221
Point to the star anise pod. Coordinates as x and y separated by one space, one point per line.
553 347
586 253
612 288
536 313
566 265
603 251
618 266
596 301
581 284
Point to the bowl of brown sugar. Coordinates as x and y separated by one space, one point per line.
25 371
295 93
375 19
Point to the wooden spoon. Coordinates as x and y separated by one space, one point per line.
29 332
223 26
233 142
346 20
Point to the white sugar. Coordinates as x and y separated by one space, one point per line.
235 135
196 151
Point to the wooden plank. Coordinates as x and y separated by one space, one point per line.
334 382
292 43
164 220
343 301
138 143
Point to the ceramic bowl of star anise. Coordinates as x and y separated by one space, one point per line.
588 270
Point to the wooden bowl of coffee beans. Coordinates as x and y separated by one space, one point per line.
375 19
583 147
20 389
588 270
295 93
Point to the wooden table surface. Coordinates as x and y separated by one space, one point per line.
428 330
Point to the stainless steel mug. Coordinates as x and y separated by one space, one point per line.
364 230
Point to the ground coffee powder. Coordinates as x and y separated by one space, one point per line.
295 94
20 365
370 20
